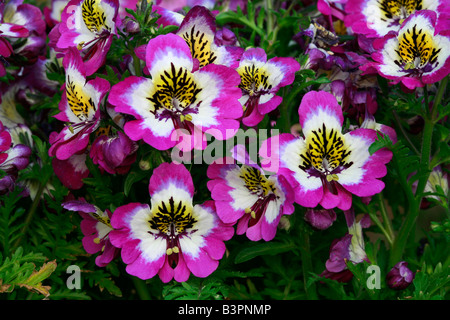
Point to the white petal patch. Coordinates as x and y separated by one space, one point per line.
137 95
290 157
359 155
317 118
274 207
390 55
152 247
207 114
242 197
194 239
171 190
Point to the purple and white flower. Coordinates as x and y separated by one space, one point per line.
415 55
260 81
89 26
377 18
177 105
13 158
79 107
244 195
172 237
96 227
327 166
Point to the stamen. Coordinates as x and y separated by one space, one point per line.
325 151
172 220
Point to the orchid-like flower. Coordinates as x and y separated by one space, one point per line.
376 18
20 21
244 195
198 29
400 276
79 107
327 166
172 237
261 80
13 158
114 153
71 171
415 55
96 227
349 248
177 105
89 26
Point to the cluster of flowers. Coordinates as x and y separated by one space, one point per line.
197 80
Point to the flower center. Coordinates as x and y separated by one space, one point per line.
399 10
93 15
253 80
172 220
325 154
176 91
200 46
80 103
259 185
416 48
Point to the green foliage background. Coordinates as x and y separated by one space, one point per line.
39 240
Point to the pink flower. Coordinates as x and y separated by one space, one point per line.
319 218
173 237
415 55
13 158
326 166
89 26
244 195
177 105
96 227
260 81
71 171
400 277
376 19
114 153
198 29
79 106
23 27
349 248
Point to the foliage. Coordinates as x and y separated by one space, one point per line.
39 239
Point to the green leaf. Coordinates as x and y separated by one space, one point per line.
270 248
380 143
132 178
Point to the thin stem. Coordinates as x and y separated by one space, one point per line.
141 288
399 125
386 220
269 16
30 214
377 221
136 65
307 268
414 204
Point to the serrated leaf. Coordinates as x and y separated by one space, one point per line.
34 282
383 141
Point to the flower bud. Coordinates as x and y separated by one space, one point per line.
400 277
320 218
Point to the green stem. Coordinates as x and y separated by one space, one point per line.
141 288
377 221
269 16
307 268
414 204
137 65
399 125
30 215
386 220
